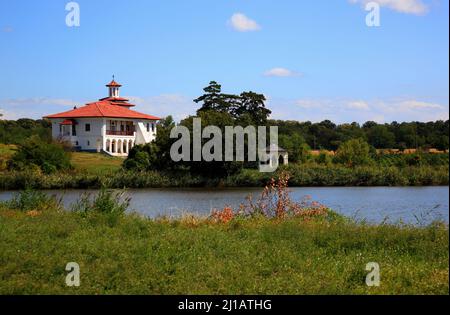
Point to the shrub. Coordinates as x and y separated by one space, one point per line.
275 202
29 199
105 201
324 158
47 156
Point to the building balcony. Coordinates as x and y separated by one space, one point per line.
119 133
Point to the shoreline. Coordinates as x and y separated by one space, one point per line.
212 188
300 176
374 204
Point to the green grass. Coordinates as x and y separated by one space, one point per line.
95 163
83 162
133 255
7 150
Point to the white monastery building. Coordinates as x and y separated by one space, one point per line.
108 125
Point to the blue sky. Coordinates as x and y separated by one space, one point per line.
313 60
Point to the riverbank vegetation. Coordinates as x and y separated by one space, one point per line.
90 170
267 246
301 176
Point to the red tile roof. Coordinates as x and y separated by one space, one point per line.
111 98
113 84
118 101
103 109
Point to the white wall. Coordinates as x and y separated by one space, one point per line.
89 140
151 135
86 140
96 138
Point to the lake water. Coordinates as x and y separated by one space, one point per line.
373 204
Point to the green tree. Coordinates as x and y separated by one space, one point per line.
354 152
214 99
298 149
253 105
142 158
163 143
248 107
380 137
214 169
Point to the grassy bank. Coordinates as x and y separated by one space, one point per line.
127 254
95 163
301 175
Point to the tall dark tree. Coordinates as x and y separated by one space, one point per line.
253 105
214 99
248 107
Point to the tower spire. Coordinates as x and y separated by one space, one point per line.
113 87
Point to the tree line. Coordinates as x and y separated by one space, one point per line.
17 131
248 108
327 135
355 144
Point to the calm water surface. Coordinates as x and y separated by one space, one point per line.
374 204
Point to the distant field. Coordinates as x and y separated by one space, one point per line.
95 162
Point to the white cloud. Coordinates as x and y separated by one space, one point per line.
36 108
339 110
358 105
417 105
378 118
281 72
37 101
416 7
178 106
311 104
343 110
8 29
242 23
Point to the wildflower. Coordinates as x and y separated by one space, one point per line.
223 216
33 213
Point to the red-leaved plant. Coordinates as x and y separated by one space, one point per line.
274 202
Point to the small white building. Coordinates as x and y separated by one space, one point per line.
276 156
108 125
